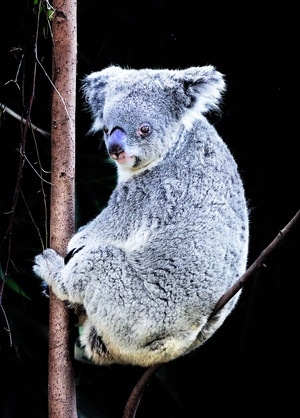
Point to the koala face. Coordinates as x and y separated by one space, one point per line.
139 111
135 136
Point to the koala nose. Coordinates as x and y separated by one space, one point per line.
115 150
116 143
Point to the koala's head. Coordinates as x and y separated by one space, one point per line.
140 111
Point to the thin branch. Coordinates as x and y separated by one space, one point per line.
258 263
32 218
36 172
139 389
6 109
8 234
15 81
7 326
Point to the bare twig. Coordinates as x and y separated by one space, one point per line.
258 263
135 397
6 109
136 394
8 235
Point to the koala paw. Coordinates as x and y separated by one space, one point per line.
48 265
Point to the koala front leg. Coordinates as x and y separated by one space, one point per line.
76 277
49 267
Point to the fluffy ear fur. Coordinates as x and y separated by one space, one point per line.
204 85
93 88
197 88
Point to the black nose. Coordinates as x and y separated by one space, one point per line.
115 150
116 142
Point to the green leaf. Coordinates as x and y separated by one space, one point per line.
12 284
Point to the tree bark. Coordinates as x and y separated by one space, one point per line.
61 386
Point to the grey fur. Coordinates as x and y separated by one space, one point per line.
174 235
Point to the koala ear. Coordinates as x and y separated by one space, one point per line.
204 85
94 90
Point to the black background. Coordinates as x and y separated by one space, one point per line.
250 366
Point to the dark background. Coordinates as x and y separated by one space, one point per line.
250 366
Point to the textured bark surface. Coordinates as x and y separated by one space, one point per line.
62 397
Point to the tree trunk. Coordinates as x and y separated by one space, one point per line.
62 396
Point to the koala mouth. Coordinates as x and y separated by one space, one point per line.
125 160
117 155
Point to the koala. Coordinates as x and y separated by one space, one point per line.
173 237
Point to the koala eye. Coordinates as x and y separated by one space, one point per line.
144 130
105 129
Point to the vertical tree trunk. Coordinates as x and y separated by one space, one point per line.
62 396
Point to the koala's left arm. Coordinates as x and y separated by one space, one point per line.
83 272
